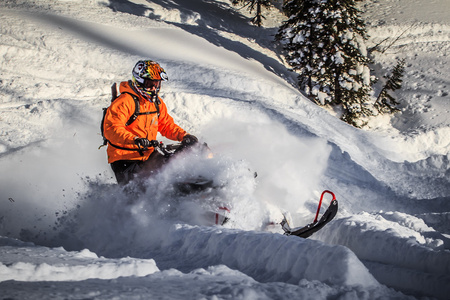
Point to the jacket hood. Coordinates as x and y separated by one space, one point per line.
127 86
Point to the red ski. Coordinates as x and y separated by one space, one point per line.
309 229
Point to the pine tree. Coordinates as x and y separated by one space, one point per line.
302 42
325 44
255 5
385 102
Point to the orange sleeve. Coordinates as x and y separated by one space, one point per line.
116 116
167 127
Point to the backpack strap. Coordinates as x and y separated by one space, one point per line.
133 117
137 108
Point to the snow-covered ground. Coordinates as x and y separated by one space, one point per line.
68 232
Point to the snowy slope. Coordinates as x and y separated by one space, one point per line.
69 232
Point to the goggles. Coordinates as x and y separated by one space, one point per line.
151 84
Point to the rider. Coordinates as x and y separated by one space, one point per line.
131 146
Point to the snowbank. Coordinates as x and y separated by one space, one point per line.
24 262
268 257
398 248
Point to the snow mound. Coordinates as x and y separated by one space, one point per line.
36 263
410 250
267 257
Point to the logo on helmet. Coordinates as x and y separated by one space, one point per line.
164 76
137 72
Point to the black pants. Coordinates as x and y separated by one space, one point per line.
127 170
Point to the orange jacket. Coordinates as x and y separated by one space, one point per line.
145 126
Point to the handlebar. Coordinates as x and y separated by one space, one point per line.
166 150
170 149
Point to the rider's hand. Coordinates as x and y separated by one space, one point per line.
143 142
189 140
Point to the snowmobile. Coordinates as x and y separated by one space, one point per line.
197 186
201 185
190 185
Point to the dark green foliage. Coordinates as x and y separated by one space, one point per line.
325 43
386 103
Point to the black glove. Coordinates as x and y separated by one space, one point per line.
189 140
143 142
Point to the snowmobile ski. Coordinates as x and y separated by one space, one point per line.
315 226
221 217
